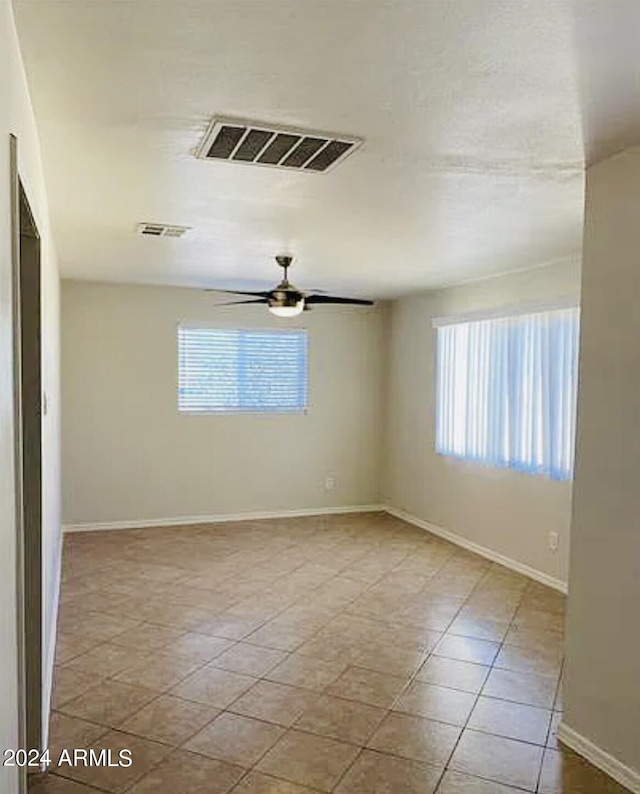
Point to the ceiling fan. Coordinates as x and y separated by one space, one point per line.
285 300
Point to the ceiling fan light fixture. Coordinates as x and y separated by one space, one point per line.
288 311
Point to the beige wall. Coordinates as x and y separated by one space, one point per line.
127 453
506 511
603 645
16 116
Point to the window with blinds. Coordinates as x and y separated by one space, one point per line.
224 370
506 391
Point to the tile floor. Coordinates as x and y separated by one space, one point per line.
349 654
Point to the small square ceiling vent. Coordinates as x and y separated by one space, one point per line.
161 230
253 143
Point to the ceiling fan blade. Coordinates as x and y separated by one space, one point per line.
240 303
334 299
240 292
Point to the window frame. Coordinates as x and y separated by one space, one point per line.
235 412
548 468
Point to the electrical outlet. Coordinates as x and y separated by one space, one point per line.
329 483
553 541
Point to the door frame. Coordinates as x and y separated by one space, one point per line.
28 517
17 433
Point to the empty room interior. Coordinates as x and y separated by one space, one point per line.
319 377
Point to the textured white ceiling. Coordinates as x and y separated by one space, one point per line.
471 111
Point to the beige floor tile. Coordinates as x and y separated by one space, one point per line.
230 627
539 597
277 703
539 619
69 646
376 773
108 703
436 703
257 783
144 755
95 624
345 720
106 659
527 688
391 658
189 773
169 720
235 739
497 608
451 584
250 659
148 636
331 648
479 628
434 617
457 783
495 758
180 617
426 638
540 660
71 732
156 572
467 649
158 671
313 761
367 686
203 598
257 603
534 637
307 672
399 583
213 686
53 784
68 683
453 673
199 647
415 738
564 772
512 720
99 601
282 636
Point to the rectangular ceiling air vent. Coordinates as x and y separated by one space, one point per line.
255 143
161 230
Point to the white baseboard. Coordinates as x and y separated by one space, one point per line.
623 774
483 551
219 519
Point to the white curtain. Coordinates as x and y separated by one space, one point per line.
506 391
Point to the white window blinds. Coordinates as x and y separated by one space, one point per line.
242 371
506 391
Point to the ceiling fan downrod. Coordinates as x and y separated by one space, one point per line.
285 260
